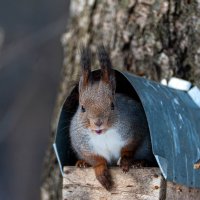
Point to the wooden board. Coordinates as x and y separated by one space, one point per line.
174 192
142 184
137 184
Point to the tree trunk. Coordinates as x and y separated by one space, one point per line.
153 38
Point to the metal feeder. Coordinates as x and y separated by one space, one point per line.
174 124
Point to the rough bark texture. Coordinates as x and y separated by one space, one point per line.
177 192
154 38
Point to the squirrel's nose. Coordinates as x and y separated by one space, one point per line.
98 122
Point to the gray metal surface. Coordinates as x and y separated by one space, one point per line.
174 123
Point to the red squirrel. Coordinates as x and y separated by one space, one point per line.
107 126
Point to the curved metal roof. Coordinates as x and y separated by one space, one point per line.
174 124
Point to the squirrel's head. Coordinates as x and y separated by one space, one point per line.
97 97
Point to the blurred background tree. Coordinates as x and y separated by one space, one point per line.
30 63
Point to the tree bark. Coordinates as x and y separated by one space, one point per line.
153 38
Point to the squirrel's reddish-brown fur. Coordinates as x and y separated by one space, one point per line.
107 126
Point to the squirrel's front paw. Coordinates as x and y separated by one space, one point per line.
82 164
139 164
103 176
125 163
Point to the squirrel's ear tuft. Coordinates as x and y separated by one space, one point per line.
85 64
108 74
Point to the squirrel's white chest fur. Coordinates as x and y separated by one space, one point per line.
108 144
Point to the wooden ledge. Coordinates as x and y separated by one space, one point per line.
144 183
137 184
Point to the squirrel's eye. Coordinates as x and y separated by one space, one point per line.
112 106
82 109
